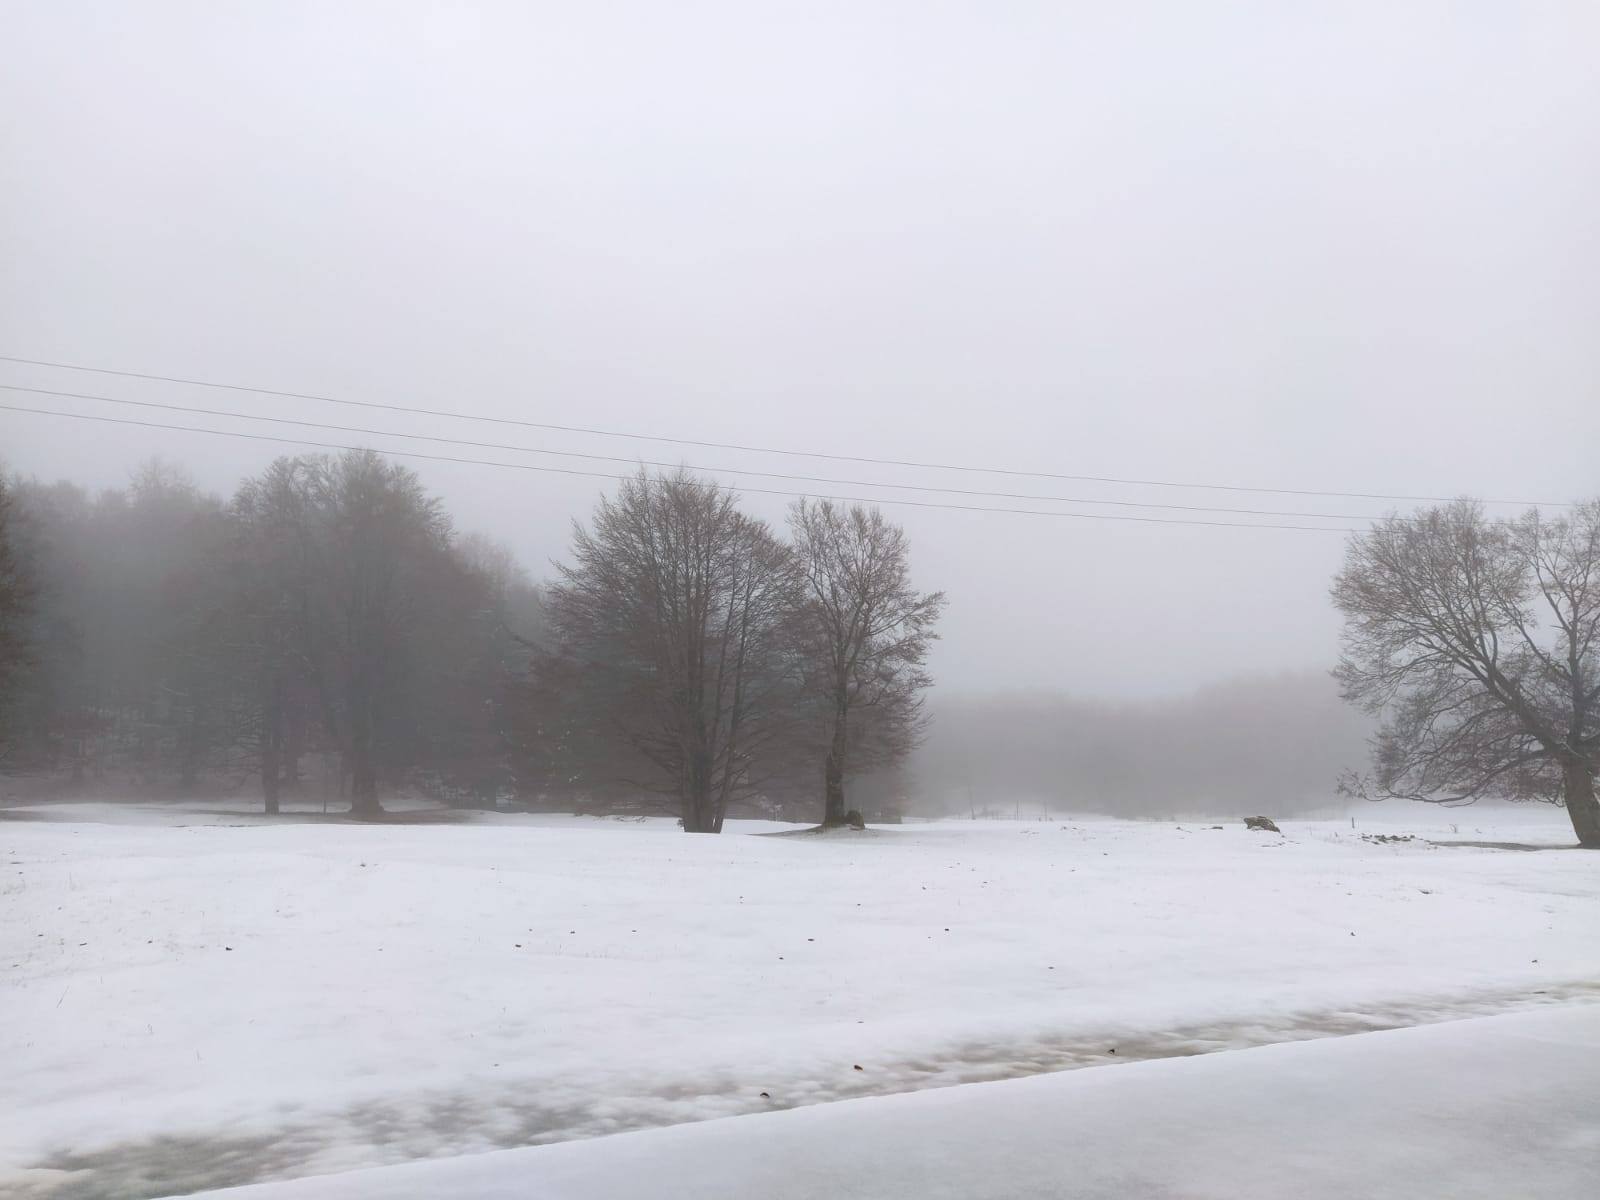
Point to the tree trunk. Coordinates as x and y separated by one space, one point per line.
833 777
363 781
294 736
271 745
1583 807
190 772
698 804
269 777
363 765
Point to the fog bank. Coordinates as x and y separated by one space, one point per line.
1269 743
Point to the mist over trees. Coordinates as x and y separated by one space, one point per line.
1274 744
113 640
696 656
864 633
668 632
1478 643
14 599
326 618
327 633
363 624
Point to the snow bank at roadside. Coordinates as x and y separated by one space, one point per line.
1491 1108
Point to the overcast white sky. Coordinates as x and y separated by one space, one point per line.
1344 246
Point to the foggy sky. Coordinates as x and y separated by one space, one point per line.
1343 246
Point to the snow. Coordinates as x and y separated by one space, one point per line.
195 999
1494 1107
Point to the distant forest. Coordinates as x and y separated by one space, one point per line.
326 635
1275 744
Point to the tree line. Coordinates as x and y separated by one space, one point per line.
690 658
687 658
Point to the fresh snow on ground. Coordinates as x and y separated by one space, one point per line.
1484 1109
196 1000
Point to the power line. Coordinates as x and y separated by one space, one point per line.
882 462
867 483
479 462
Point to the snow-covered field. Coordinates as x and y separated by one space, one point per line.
223 1000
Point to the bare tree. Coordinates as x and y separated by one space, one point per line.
481 613
15 595
383 541
1479 643
866 633
172 595
277 618
353 606
667 636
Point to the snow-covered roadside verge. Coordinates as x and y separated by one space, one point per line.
1491 1108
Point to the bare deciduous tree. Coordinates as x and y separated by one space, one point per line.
667 633
865 633
276 617
1479 643
348 584
477 748
15 594
383 539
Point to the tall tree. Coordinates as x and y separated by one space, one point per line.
15 596
667 632
382 542
1478 641
459 746
865 633
169 602
278 619
348 601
